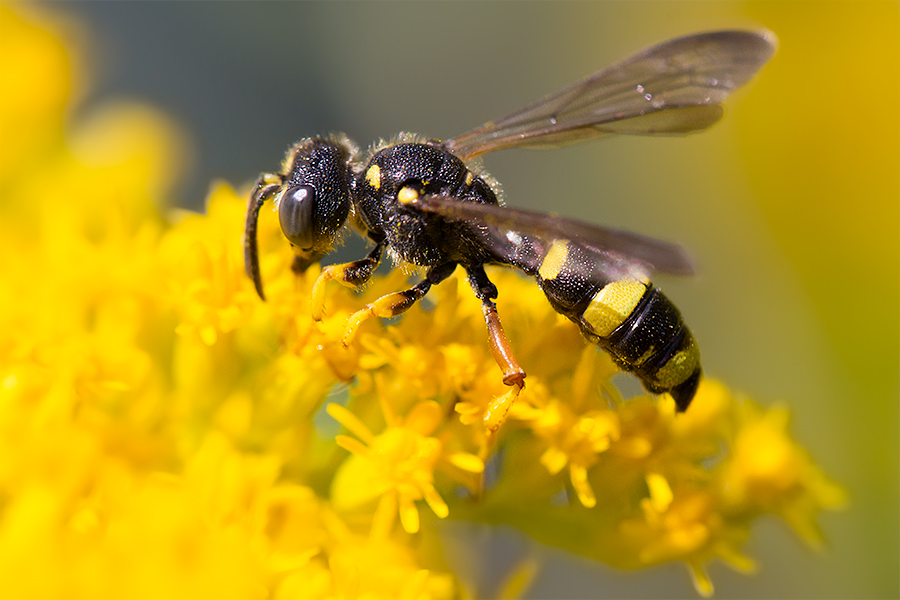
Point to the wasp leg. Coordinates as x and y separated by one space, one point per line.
513 375
394 304
352 274
500 346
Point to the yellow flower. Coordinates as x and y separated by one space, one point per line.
770 473
576 441
35 84
396 466
162 431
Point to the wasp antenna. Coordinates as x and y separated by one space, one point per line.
267 185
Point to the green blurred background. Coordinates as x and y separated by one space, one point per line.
790 205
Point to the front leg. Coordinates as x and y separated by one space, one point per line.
352 274
391 305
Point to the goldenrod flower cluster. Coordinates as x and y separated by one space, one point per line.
165 434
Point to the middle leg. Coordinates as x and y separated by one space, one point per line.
397 303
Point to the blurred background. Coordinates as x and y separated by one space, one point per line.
790 206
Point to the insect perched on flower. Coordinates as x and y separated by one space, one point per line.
425 203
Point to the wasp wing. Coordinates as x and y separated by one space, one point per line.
517 236
672 88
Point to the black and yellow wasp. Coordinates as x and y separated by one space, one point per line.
429 205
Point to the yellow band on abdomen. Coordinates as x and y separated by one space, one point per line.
613 304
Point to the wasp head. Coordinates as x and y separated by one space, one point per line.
312 195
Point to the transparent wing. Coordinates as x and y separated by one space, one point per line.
671 88
513 233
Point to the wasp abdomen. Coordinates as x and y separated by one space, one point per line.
627 317
654 343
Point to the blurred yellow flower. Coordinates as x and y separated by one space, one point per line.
160 428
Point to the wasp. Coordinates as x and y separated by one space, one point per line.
430 205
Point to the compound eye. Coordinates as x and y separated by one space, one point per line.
296 213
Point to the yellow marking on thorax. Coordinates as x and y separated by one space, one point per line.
470 177
373 176
554 259
613 304
407 195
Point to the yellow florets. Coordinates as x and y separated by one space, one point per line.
161 429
